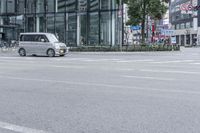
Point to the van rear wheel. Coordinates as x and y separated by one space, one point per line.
51 53
22 52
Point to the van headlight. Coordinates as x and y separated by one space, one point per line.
57 46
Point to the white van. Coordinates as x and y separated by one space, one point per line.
41 44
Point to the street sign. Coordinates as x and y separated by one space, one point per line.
135 27
167 32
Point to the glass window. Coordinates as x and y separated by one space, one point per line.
173 27
40 6
191 24
94 5
188 25
30 23
28 38
30 6
50 23
20 23
40 21
60 27
117 28
41 38
105 4
83 28
21 6
50 5
71 29
61 5
183 26
177 39
52 38
105 28
71 5
10 5
7 6
93 36
114 4
82 5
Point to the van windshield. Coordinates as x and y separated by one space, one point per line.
52 38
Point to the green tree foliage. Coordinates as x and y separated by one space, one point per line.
139 9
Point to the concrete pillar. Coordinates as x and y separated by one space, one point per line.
198 37
110 30
1 23
78 30
185 42
113 28
56 5
190 39
37 24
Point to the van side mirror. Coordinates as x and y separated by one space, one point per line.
42 40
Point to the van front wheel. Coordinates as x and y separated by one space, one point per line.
22 52
51 53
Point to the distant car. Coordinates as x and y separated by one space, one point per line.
41 44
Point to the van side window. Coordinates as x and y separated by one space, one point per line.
42 37
33 38
28 38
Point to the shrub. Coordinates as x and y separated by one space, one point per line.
126 48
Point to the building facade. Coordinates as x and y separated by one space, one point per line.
184 18
75 22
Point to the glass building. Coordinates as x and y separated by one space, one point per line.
75 22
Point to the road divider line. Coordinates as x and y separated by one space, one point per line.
19 129
74 67
126 61
150 78
103 85
195 63
169 71
175 61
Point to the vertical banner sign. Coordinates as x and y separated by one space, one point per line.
195 19
173 40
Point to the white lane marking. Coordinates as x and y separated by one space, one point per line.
100 60
176 61
168 71
19 129
5 65
74 67
151 78
75 59
104 85
10 57
21 58
161 71
126 69
125 61
195 63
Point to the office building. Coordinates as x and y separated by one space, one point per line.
75 22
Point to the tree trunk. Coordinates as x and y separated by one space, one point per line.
143 22
143 31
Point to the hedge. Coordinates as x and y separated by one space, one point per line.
131 48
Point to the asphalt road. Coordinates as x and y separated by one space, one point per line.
144 92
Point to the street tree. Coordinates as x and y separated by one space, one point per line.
138 10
